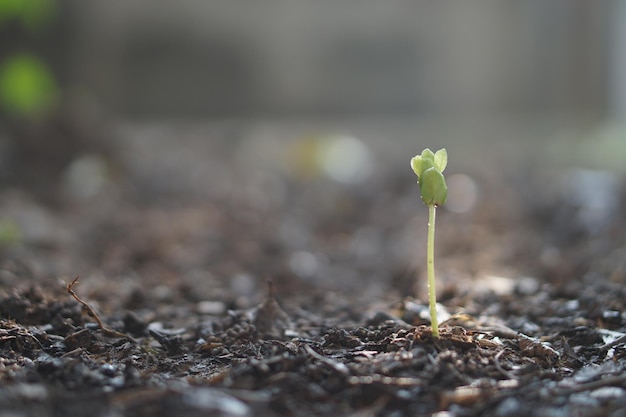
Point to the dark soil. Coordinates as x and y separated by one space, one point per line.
227 287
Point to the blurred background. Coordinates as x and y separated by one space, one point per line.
153 59
191 100
554 64
467 70
203 59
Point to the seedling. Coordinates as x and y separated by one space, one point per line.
429 167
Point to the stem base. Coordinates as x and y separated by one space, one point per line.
430 254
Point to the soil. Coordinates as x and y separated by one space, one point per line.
215 280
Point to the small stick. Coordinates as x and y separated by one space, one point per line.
339 367
614 343
612 381
70 289
92 312
496 361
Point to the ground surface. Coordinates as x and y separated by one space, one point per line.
230 283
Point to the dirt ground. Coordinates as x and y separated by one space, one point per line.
233 276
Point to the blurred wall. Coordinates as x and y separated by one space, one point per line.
157 58
617 61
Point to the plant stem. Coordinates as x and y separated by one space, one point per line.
432 295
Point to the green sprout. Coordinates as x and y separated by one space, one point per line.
429 167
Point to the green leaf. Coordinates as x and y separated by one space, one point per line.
433 187
428 154
441 159
421 163
417 164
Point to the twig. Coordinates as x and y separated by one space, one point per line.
92 312
401 381
496 361
618 380
614 343
70 289
336 366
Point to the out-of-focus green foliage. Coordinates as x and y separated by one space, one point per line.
32 14
26 86
10 233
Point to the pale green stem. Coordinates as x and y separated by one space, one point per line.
432 295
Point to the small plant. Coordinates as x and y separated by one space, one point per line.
429 168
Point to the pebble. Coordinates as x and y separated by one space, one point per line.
215 308
507 407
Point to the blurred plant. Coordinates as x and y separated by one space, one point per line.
33 15
10 233
429 168
27 86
